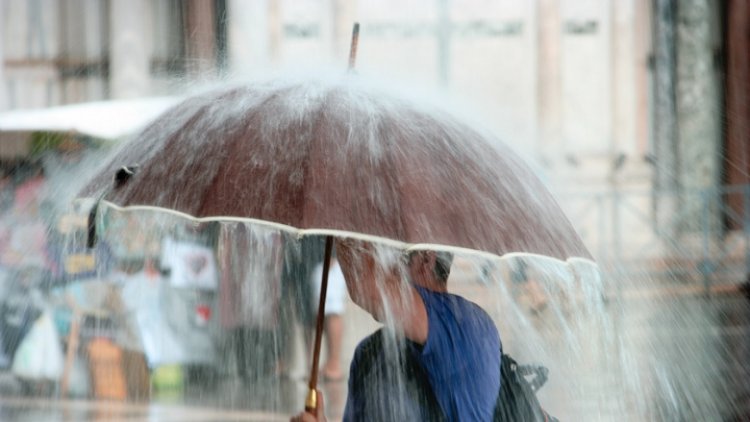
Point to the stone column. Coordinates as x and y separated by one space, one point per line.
3 101
665 114
200 36
698 112
548 67
129 58
275 31
247 36
642 46
623 66
444 30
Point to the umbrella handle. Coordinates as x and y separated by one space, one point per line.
311 402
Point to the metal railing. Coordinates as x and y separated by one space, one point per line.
699 237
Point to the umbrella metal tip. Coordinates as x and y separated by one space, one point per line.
353 47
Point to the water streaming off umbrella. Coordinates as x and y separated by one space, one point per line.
547 311
232 333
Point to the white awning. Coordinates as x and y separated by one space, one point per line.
103 119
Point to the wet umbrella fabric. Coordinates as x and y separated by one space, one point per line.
340 155
343 159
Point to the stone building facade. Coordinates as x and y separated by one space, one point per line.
607 96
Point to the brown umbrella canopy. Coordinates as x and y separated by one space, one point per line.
341 155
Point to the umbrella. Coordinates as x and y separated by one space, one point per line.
341 157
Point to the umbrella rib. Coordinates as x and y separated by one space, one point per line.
393 161
320 112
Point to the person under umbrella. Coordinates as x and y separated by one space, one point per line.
337 158
450 341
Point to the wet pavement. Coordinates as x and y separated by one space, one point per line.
39 410
225 398
228 400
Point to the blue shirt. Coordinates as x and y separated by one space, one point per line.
461 360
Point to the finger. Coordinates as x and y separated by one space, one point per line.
304 417
320 411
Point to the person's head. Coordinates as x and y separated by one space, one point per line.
360 272
430 269
369 278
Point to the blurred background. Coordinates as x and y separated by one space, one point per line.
634 112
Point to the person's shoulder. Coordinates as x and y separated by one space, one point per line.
366 353
481 320
373 340
467 304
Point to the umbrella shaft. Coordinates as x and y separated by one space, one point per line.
321 314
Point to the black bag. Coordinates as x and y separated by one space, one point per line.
516 402
517 399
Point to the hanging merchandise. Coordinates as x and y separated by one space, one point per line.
190 265
39 356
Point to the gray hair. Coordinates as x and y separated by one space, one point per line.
443 261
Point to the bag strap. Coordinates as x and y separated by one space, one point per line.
517 399
540 375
